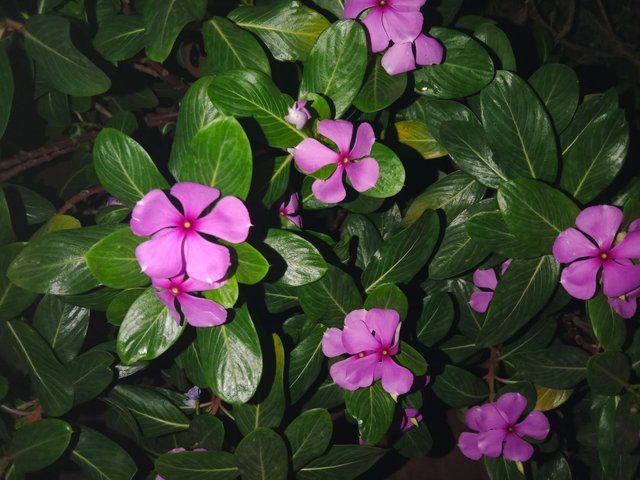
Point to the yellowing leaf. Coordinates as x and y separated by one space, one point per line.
416 135
550 398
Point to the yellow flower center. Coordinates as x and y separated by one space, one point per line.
175 290
604 255
384 353
361 354
187 224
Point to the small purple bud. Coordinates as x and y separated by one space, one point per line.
298 115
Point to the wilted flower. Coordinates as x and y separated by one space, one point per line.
177 245
371 338
298 114
590 249
499 432
401 57
193 395
410 418
310 155
487 279
290 210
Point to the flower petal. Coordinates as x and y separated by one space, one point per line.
152 213
384 323
490 442
579 278
205 261
332 343
536 425
378 36
193 285
625 306
168 299
406 5
396 379
505 265
229 220
634 226
296 220
402 26
511 405
353 8
571 244
601 223
399 59
490 418
468 445
357 338
294 204
162 255
355 316
330 190
339 131
429 51
516 449
629 247
471 418
619 279
339 372
166 282
194 197
479 301
201 312
361 372
310 155
485 278
363 174
365 138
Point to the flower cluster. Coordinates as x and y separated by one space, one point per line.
362 170
371 338
182 256
592 248
498 431
400 22
485 279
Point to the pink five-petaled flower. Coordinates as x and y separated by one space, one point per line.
410 418
397 20
401 57
499 432
479 301
290 211
371 338
311 155
177 245
298 115
587 255
199 312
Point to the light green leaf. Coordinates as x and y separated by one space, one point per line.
303 263
416 134
252 266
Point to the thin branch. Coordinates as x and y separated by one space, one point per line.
155 69
605 17
102 110
568 24
159 119
79 197
13 25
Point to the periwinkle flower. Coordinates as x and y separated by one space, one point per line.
298 115
590 249
403 57
363 171
371 338
410 418
178 244
290 211
199 312
486 279
626 305
499 432
192 397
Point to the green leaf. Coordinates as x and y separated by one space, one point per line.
227 295
392 173
303 263
197 466
556 469
13 299
249 93
435 112
305 363
279 297
90 374
274 174
288 30
262 455
62 326
489 229
165 20
205 431
558 88
380 89
342 462
388 296
252 266
459 388
269 411
609 328
233 365
522 292
412 359
499 43
48 42
220 157
124 168
37 208
196 112
502 469
416 134
518 129
39 444
608 373
558 366
436 318
148 329
336 65
415 442
125 122
466 69
535 212
6 229
120 37
309 436
113 261
372 408
6 90
49 379
100 458
53 108
331 298
404 254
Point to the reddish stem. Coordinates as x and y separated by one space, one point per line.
79 197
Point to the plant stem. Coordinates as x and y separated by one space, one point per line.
79 197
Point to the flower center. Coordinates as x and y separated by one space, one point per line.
382 3
186 225
175 290
604 255
361 354
510 429
344 160
384 352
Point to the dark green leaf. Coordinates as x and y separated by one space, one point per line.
120 37
197 466
13 299
380 89
489 229
372 408
205 431
90 374
608 373
435 112
436 318
309 436
279 297
276 179
558 366
305 362
459 388
557 86
39 444
412 359
388 296
262 455
303 262
499 43
100 458
119 306
6 90
502 469
392 173
555 469
37 208
342 462
608 327
415 442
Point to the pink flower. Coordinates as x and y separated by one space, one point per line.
401 57
499 432
199 312
626 305
410 418
310 155
397 20
290 210
479 301
590 249
371 338
177 245
298 114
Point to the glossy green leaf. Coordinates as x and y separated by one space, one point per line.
558 366
380 89
336 65
558 88
309 436
305 363
232 357
502 469
415 442
274 174
388 296
38 445
205 431
120 37
197 466
466 69
556 469
342 462
416 134
303 263
148 329
459 388
289 30
436 318
6 90
392 173
372 408
279 297
412 359
262 455
37 208
97 299
100 458
227 295
434 112
230 47
252 266
489 229
609 328
90 374
539 335
13 299
608 373
518 129
498 42
119 306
